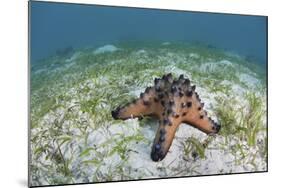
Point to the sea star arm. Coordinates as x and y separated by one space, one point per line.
197 117
146 104
164 138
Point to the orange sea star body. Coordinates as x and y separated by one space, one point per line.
172 102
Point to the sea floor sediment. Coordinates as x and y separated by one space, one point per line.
74 139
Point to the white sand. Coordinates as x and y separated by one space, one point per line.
138 164
106 48
194 55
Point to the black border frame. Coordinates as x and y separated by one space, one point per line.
117 6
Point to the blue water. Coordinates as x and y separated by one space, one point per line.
57 25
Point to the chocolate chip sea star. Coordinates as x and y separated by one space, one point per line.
172 102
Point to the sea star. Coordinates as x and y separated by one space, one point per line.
172 102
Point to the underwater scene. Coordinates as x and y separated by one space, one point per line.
129 102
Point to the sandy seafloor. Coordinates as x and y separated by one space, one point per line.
75 140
